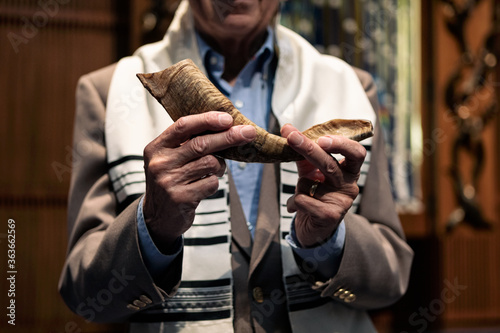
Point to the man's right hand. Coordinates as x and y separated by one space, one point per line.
180 171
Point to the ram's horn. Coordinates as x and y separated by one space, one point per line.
182 89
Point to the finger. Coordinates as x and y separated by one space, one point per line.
305 168
290 204
210 143
304 203
202 167
187 127
313 188
353 151
313 153
319 211
287 129
304 188
193 193
222 168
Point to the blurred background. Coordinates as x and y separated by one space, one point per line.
435 65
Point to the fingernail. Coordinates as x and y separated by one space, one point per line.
325 142
281 129
225 119
248 132
295 139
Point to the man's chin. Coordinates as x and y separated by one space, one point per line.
239 22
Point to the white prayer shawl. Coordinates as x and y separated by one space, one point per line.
310 88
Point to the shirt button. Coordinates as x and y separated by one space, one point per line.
238 104
242 165
258 294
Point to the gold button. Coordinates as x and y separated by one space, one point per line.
318 283
338 292
139 303
350 298
132 307
258 294
344 294
145 299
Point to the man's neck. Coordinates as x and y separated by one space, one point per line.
236 52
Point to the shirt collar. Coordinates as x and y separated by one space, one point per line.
214 61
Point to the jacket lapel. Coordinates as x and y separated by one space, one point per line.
268 216
239 229
267 220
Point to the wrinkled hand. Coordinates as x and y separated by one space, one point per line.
318 217
180 171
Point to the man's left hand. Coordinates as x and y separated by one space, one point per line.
326 187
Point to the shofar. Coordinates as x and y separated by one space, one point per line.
182 89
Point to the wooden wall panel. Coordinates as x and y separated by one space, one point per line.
468 257
40 247
43 52
38 84
469 262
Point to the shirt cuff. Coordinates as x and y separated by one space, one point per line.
155 261
326 257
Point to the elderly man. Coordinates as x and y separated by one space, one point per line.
164 237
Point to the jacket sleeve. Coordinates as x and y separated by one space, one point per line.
376 262
104 278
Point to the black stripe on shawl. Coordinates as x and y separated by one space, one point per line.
205 241
212 212
125 175
181 316
205 283
125 159
217 195
288 189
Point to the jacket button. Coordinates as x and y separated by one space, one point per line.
338 292
132 307
145 299
344 294
350 298
139 303
258 294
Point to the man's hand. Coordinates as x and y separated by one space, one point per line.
180 171
318 216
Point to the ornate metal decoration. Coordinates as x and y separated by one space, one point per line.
156 19
471 104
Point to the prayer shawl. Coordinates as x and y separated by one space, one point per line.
310 88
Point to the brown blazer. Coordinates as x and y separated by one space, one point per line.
104 278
